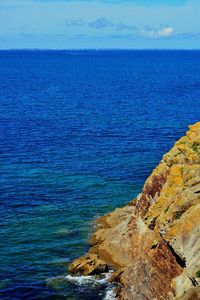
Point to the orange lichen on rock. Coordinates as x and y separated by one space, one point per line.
154 242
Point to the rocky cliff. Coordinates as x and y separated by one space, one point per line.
153 243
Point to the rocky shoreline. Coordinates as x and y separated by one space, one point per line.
153 243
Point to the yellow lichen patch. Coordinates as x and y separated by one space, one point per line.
159 208
189 220
173 187
169 189
193 130
178 180
182 140
182 147
180 172
175 170
180 201
191 174
192 158
175 177
195 127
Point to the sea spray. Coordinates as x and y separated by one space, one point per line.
94 281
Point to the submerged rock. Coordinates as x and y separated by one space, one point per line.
154 241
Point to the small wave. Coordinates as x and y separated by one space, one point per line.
93 280
90 279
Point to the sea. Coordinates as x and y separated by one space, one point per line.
80 131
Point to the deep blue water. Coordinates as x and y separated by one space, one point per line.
80 131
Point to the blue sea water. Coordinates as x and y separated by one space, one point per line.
80 131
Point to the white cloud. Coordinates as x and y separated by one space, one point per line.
126 23
101 23
166 32
161 33
74 22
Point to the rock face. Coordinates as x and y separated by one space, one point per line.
153 243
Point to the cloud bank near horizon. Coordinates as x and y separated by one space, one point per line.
62 24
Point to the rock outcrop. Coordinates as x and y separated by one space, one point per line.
153 243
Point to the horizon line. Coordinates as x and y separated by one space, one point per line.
101 49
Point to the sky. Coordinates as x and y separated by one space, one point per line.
96 24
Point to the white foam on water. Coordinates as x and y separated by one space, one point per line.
90 279
81 280
110 294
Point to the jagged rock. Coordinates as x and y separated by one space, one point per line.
151 278
88 265
116 276
154 242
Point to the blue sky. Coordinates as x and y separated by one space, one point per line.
130 24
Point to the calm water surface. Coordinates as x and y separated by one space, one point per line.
79 133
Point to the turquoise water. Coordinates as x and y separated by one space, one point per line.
79 134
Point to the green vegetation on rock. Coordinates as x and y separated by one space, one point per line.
196 147
198 274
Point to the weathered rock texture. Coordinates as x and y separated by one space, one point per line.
153 243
